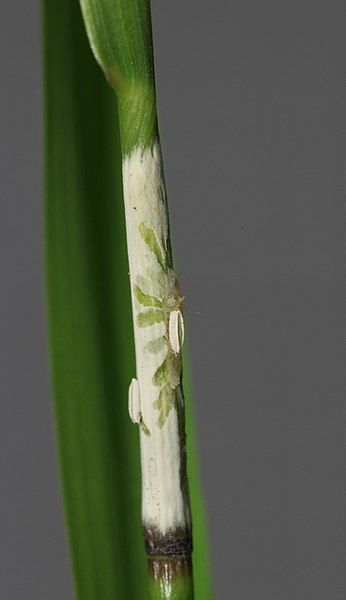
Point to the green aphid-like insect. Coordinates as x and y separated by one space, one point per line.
162 304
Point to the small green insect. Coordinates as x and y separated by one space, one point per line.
159 293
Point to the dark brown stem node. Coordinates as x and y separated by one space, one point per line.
175 544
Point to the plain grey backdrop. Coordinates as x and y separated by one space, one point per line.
252 102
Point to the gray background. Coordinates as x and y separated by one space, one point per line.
252 100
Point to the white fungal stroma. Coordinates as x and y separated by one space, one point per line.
159 335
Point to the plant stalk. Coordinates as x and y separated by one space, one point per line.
120 36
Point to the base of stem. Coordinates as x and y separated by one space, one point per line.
170 578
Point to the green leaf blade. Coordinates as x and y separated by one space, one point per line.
89 316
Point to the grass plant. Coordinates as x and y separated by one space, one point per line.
89 135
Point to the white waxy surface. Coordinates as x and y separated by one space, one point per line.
164 505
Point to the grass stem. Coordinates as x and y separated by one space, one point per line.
120 36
